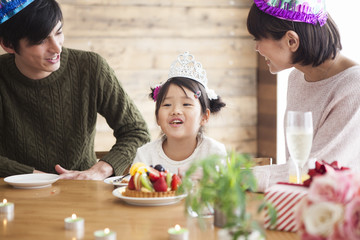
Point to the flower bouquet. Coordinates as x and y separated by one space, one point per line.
331 210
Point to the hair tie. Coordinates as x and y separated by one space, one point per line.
156 92
197 95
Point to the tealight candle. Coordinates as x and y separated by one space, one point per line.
6 216
6 207
74 223
74 234
178 233
105 234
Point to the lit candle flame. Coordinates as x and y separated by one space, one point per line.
177 227
106 231
73 216
4 201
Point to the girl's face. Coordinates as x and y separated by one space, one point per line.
276 52
180 115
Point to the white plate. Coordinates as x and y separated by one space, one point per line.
158 201
110 180
32 180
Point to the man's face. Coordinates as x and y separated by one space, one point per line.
40 60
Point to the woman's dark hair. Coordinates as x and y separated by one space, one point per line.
34 23
317 43
213 105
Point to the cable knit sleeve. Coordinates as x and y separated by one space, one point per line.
122 115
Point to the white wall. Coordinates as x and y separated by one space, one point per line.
345 14
281 104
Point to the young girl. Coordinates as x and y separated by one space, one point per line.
302 35
183 107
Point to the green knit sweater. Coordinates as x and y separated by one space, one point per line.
52 120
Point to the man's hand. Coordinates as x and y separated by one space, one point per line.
99 171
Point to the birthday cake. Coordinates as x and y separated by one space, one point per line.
150 182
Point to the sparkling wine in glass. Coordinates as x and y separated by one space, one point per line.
299 135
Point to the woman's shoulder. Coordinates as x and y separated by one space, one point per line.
352 71
345 71
349 79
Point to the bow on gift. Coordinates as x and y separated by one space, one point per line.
322 167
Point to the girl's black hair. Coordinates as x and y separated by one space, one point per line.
34 23
213 105
317 43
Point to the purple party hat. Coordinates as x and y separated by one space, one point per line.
9 8
308 11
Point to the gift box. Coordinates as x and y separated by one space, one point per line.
285 199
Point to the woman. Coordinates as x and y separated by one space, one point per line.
302 35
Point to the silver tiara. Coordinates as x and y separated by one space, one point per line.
186 66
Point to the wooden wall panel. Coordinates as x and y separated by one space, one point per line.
153 53
159 3
267 109
125 21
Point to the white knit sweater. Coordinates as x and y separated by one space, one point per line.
152 154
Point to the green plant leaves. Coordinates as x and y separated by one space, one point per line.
224 185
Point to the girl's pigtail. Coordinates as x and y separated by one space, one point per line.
155 92
216 105
151 94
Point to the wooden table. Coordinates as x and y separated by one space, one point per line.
40 213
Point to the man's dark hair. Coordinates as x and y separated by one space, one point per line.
34 23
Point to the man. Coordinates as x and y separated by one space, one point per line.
50 97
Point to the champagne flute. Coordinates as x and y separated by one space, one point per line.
299 135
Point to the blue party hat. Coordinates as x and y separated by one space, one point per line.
9 8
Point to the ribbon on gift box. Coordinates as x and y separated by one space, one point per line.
321 168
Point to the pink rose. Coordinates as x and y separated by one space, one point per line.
339 187
352 219
321 219
321 225
303 204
